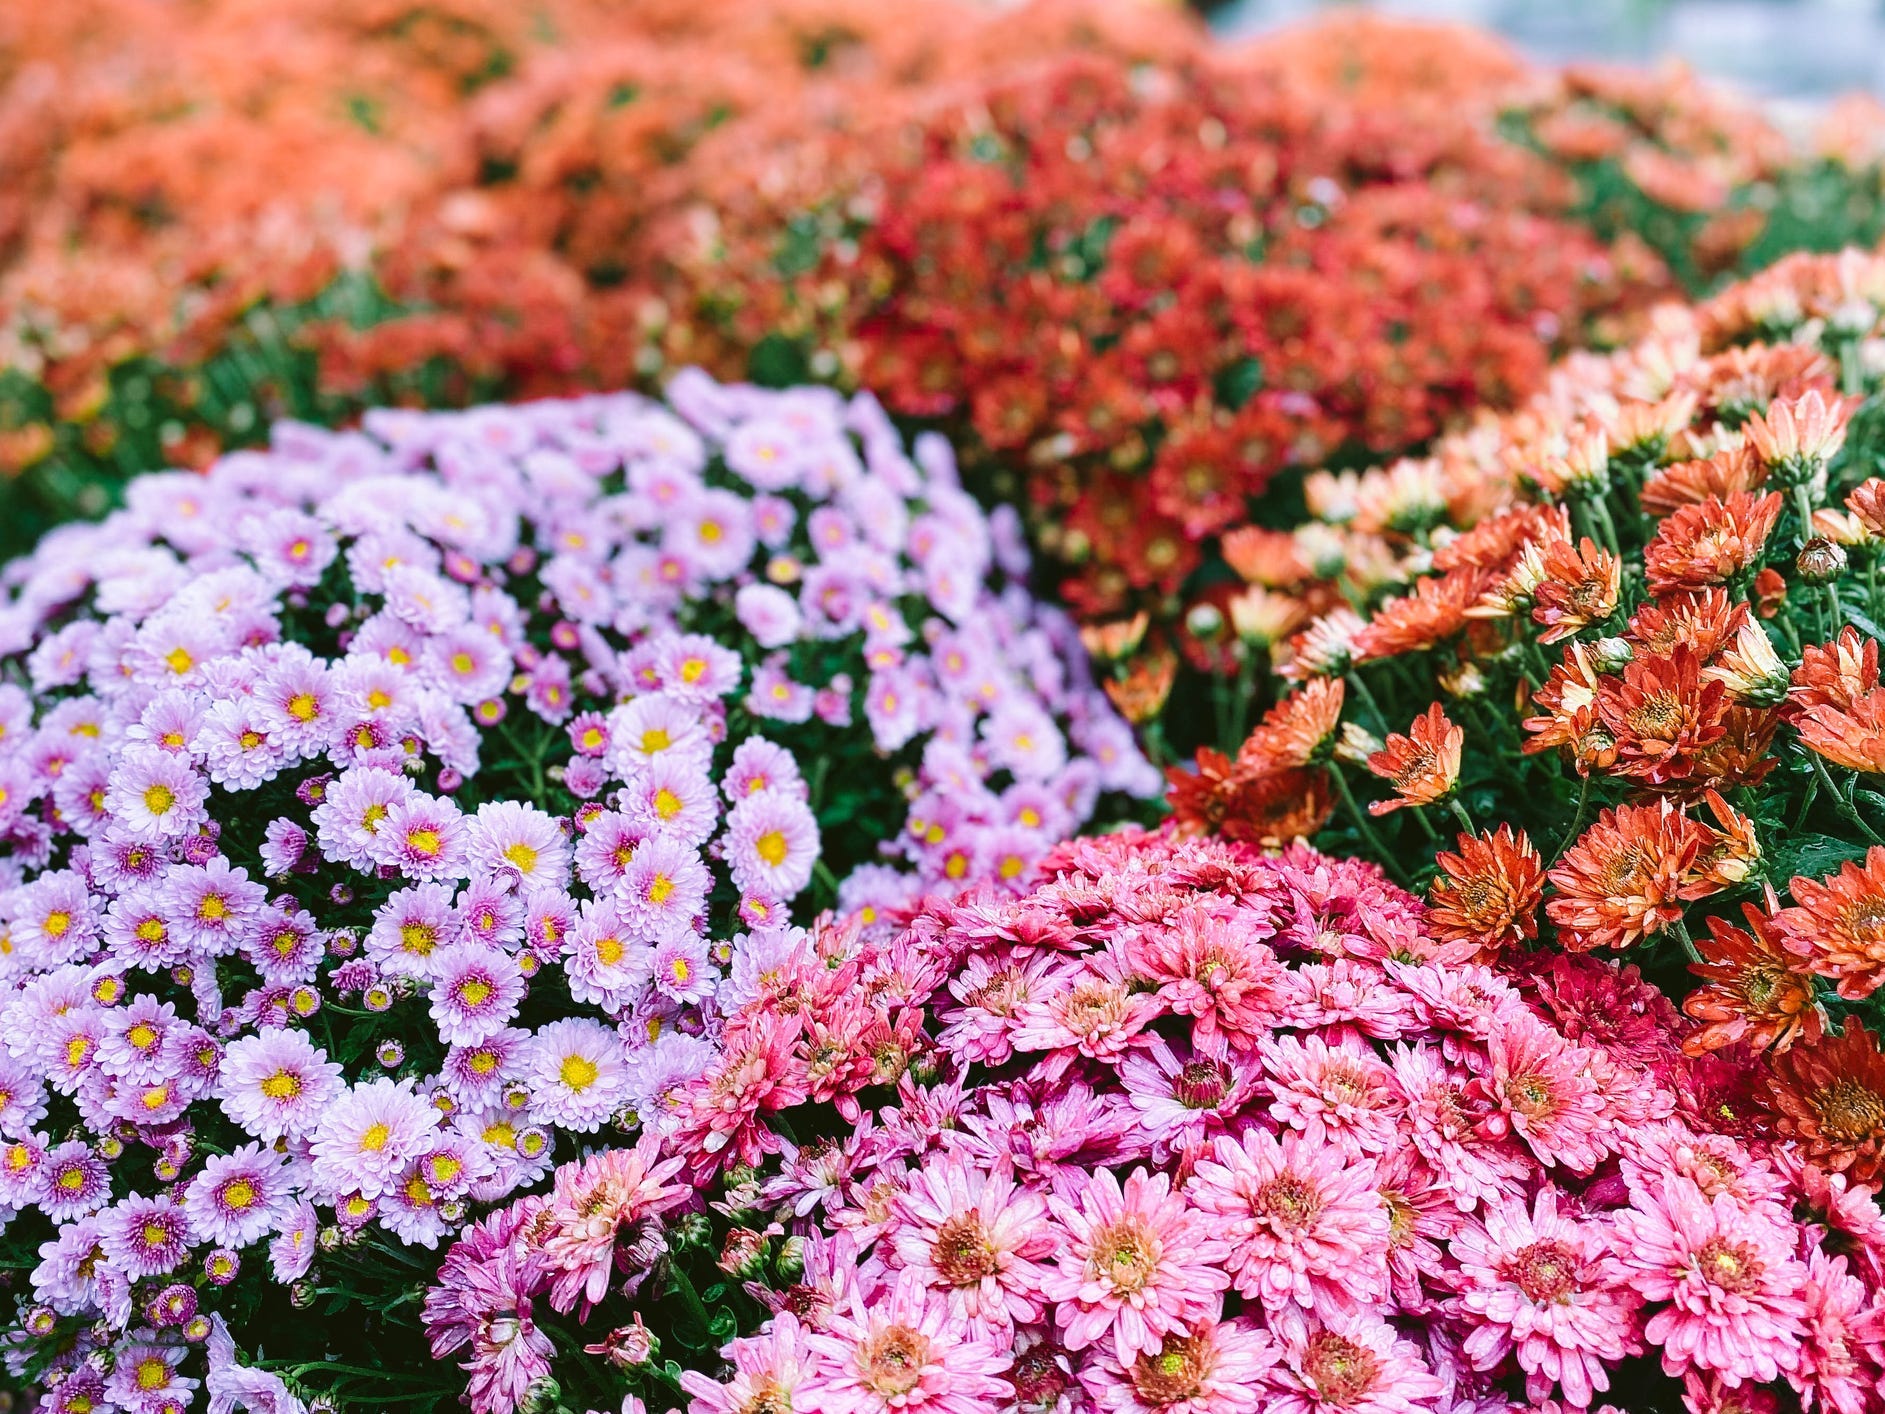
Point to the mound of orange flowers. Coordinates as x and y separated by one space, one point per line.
1603 673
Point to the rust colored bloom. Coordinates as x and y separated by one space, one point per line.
1755 989
1837 925
1140 695
1730 853
1750 669
1867 502
1280 807
1705 619
1423 766
1491 544
1108 642
1694 482
1710 543
1768 593
1201 799
1299 730
1579 588
1829 1097
1433 612
1662 714
1627 877
1837 674
1488 892
1854 739
1325 648
1267 557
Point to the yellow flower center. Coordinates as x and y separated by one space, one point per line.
667 803
376 1137
579 1072
771 847
424 841
239 1195
522 856
302 707
282 1085
159 798
179 660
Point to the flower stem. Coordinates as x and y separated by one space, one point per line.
1460 814
1577 818
1681 931
1368 700
1364 826
1843 805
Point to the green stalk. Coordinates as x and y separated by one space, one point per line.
1365 826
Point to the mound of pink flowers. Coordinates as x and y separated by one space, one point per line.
1183 1129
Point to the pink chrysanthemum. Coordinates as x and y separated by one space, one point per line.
1544 1285
975 1237
1304 1223
1139 1262
1542 1091
903 1353
1730 1278
1340 1095
1352 1364
1215 1367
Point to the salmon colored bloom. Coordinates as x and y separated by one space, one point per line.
1691 483
1579 588
1434 611
1713 542
1628 876
1836 674
1141 694
1829 1097
1488 892
1750 669
1837 925
1706 620
1755 992
1799 435
1867 502
1423 766
1299 730
1662 715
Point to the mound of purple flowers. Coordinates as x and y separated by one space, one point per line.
377 807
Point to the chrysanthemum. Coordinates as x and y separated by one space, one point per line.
1543 1285
277 1083
476 989
1626 877
145 1237
409 929
509 836
424 838
1304 1223
353 811
1542 1090
237 1198
902 1353
1755 989
1215 1367
1711 542
766 1372
772 842
1663 716
976 1238
145 1377
71 1179
1837 925
576 1074
156 794
1422 766
368 1134
237 744
654 725
1347 1364
592 1204
1220 974
1728 1274
1829 1097
664 888
675 796
1338 1095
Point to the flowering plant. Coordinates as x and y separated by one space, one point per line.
1626 639
1183 1128
383 809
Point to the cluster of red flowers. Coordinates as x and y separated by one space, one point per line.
1635 624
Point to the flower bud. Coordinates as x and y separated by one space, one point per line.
1611 655
1205 621
743 1254
1357 744
1466 680
790 1264
1821 561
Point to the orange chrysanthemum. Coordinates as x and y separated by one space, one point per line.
1756 991
1694 482
1836 674
1627 877
1829 1097
1299 730
1201 799
1280 807
1491 544
1710 543
1487 893
1867 502
1568 701
1579 588
1432 613
1706 620
1796 432
1838 925
1140 695
1663 714
1423 765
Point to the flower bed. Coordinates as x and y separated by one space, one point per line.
1625 640
384 810
1182 1128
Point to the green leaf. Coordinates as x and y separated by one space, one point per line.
1811 856
1238 384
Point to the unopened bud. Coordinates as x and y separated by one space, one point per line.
1821 561
1611 655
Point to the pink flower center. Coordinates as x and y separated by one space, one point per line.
1731 1266
1289 1201
1341 1370
1545 1271
962 1253
891 1361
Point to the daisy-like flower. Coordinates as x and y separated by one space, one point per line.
1304 1224
1837 925
507 836
1627 877
1578 587
423 838
238 1198
354 810
1422 766
1488 893
1543 1092
1346 1364
1543 1285
1337 1095
1750 669
1755 991
664 888
277 1083
765 1372
593 1203
1723 1277
1710 543
675 796
772 842
1663 716
368 1135
654 725
156 795
1797 436
476 989
576 1074
73 1179
976 1238
1215 1367
1829 1097
145 1237
902 1353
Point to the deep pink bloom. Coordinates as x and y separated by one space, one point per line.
902 1353
976 1238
